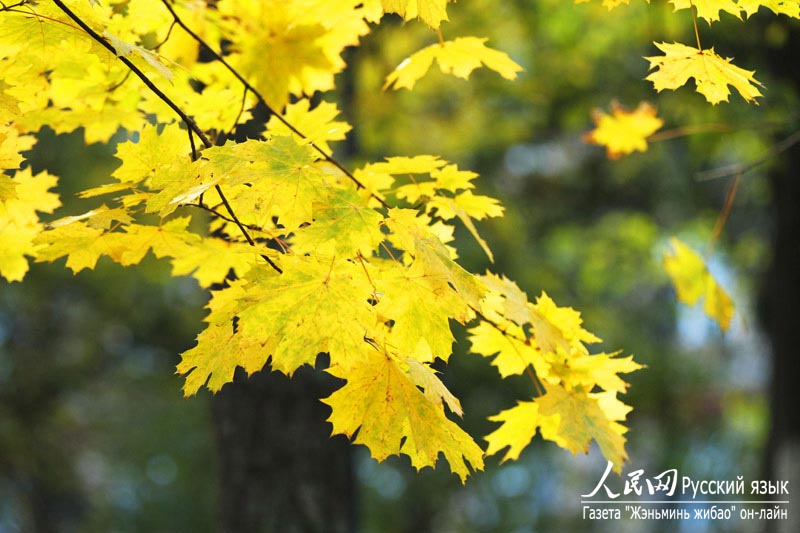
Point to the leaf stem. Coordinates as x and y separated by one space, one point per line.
693 9
528 370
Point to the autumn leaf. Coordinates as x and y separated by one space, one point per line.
508 348
382 407
711 73
790 8
570 418
21 196
692 281
624 132
317 125
710 9
129 50
433 12
519 426
458 57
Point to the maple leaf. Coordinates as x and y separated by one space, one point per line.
381 405
557 328
623 132
709 9
596 370
153 151
317 125
433 12
570 418
711 72
692 280
21 196
341 226
519 426
11 144
420 306
124 49
317 305
467 206
513 354
790 8
431 258
458 57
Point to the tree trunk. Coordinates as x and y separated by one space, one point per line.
279 468
780 308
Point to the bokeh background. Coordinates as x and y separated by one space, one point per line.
95 435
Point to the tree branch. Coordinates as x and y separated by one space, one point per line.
739 168
218 57
189 121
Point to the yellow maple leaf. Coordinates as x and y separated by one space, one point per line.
22 196
709 9
317 125
11 144
790 8
518 428
692 280
711 73
433 12
458 57
569 417
316 305
601 370
559 328
623 132
507 344
383 404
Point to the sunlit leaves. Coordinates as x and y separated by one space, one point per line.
623 132
570 418
692 281
458 57
711 73
550 342
305 259
20 199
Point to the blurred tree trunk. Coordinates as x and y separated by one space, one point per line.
279 469
781 306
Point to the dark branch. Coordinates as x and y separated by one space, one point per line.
247 236
217 57
189 121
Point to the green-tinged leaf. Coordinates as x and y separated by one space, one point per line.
381 402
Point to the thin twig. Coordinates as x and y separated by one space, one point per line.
739 168
189 121
218 57
528 370
247 236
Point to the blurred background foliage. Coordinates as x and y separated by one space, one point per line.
95 434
